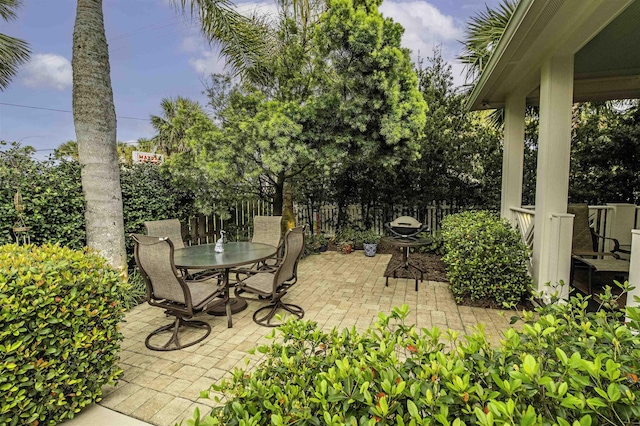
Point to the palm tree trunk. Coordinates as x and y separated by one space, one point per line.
94 117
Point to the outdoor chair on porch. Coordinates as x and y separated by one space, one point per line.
274 283
586 242
585 252
180 298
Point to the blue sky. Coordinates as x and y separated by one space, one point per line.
156 53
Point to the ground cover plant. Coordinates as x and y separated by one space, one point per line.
485 258
566 367
59 341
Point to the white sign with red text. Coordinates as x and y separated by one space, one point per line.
147 157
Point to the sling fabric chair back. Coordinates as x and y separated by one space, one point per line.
168 228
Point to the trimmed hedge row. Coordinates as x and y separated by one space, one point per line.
485 258
59 338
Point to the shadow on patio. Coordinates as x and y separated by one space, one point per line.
335 290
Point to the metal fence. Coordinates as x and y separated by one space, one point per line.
325 217
239 223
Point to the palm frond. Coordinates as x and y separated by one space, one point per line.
13 53
241 41
8 9
483 35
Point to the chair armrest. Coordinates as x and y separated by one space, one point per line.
204 275
580 254
616 244
249 272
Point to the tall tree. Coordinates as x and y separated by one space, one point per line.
259 146
178 115
94 118
94 112
369 111
13 52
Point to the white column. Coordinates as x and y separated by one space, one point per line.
554 149
560 254
634 269
512 155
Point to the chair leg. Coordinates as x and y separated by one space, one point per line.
265 319
174 341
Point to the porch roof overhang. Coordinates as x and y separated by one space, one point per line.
601 34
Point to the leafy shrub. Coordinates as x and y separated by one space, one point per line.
314 243
485 258
148 194
54 204
52 192
369 237
59 340
568 366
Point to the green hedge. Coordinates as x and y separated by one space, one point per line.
149 194
485 258
54 204
52 192
565 367
59 340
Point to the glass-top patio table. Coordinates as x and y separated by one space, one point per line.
235 254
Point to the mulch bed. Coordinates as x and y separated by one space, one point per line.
431 263
435 271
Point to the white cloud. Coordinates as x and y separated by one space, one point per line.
427 27
208 63
421 17
48 70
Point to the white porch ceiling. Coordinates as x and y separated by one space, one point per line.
603 36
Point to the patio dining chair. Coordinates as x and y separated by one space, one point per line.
274 283
172 229
180 298
167 227
266 230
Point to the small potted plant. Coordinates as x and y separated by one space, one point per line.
345 240
317 243
370 240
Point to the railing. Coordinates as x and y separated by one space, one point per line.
524 221
599 220
325 218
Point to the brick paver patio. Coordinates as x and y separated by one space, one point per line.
334 289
